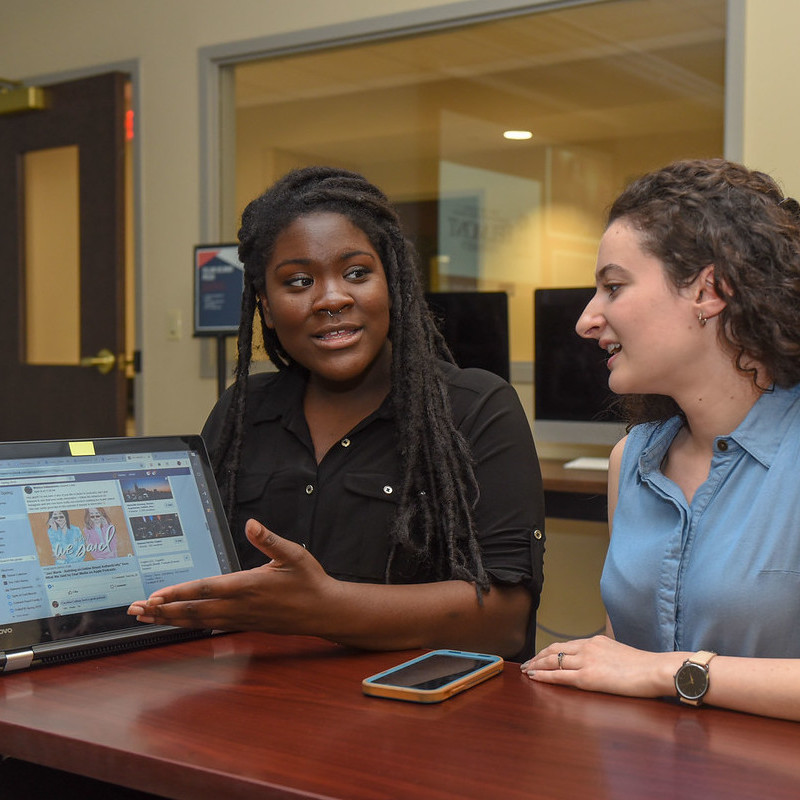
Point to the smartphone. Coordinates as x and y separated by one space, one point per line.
433 677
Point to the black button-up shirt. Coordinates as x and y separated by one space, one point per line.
342 509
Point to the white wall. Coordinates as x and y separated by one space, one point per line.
162 37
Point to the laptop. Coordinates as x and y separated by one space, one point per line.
89 526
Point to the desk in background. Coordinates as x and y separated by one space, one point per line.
574 493
260 716
576 505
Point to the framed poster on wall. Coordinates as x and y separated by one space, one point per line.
218 282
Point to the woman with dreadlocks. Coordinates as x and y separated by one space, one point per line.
380 496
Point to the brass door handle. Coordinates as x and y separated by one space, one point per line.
105 361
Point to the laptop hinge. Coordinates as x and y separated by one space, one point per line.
21 659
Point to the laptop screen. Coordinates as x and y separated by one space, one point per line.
86 528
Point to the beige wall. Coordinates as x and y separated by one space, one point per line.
771 100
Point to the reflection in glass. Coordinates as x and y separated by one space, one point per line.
608 91
52 257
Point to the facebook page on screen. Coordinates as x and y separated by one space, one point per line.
79 534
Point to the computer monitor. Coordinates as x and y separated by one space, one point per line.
572 401
475 327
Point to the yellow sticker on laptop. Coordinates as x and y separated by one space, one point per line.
81 448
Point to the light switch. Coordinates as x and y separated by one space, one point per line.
174 324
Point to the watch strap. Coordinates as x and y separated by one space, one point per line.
702 657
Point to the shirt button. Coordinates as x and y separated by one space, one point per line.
387 490
309 488
722 445
537 534
345 443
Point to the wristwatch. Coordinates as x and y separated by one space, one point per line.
691 680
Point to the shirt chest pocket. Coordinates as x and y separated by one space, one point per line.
352 530
370 486
275 501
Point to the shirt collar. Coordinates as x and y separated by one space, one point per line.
763 429
286 392
285 398
760 433
652 456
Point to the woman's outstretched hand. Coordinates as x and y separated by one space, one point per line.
283 596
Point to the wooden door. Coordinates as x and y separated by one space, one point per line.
43 392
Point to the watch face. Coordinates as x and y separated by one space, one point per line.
691 681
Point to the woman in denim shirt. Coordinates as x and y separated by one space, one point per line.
698 291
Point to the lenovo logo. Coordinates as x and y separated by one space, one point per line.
6 630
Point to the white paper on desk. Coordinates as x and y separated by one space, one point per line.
587 462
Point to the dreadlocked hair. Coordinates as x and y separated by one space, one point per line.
711 211
435 521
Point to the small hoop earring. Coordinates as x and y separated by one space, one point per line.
701 319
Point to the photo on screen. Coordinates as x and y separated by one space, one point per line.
76 535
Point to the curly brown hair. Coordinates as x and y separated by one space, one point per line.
698 212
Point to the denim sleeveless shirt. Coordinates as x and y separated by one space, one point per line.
721 573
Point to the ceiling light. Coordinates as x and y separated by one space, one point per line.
518 135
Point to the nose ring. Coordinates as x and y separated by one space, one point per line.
332 314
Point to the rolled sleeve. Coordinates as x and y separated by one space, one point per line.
509 514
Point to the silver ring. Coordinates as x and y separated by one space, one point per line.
561 660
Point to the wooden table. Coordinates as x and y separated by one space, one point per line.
253 715
574 493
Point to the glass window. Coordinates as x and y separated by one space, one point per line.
51 233
605 90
